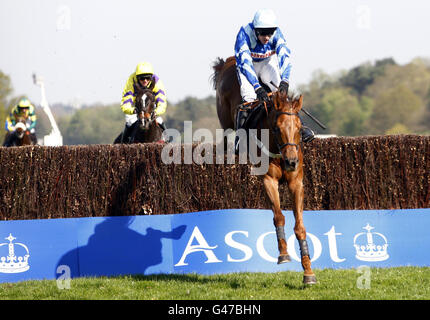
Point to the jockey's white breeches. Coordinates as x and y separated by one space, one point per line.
132 118
268 71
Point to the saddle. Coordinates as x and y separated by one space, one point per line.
254 113
254 116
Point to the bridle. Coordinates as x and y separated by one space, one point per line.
274 128
268 106
277 131
22 130
143 109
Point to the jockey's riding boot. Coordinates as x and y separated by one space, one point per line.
126 134
307 134
240 120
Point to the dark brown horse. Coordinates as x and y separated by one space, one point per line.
146 128
286 162
21 136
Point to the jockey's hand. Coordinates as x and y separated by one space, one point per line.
262 94
283 87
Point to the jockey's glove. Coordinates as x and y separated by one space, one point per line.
262 94
283 86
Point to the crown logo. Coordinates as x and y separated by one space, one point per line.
13 263
375 249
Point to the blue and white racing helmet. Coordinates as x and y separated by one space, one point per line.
265 19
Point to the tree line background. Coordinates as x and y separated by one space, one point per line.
373 98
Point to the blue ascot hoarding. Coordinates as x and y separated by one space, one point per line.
210 242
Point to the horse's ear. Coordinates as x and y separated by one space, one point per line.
298 103
277 100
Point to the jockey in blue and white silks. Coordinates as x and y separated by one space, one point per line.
261 52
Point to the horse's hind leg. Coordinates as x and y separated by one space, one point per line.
296 189
271 186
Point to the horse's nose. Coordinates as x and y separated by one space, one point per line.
292 164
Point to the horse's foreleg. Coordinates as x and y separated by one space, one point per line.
297 191
271 186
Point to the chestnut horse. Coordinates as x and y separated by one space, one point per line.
146 128
286 162
21 136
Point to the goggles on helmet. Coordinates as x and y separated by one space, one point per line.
265 31
144 77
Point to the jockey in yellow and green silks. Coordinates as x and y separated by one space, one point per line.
143 76
23 109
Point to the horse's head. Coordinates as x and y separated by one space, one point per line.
20 127
286 127
145 108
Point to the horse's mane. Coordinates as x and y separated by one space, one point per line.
293 93
149 93
218 66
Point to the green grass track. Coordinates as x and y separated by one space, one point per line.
410 283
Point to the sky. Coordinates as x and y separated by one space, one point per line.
86 50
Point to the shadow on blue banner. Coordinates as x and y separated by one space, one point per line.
116 249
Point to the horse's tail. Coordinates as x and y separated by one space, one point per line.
217 67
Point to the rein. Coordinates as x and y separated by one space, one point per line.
274 128
277 131
143 109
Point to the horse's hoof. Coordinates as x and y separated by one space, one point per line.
309 280
283 258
